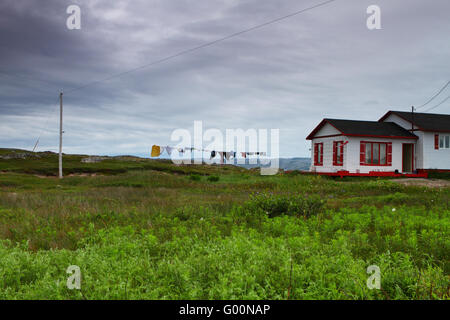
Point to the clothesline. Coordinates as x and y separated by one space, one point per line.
158 150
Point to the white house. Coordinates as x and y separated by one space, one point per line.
398 142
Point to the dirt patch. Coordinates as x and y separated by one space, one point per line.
432 183
43 176
70 175
82 175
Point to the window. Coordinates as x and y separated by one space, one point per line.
444 141
368 153
376 153
318 154
383 153
338 153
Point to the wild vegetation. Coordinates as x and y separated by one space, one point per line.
147 229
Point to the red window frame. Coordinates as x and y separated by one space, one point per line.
318 156
388 156
338 149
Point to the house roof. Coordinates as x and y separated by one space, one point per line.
365 129
424 121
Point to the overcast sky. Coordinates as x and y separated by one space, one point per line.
288 75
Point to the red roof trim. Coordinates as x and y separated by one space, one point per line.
319 126
324 121
380 136
329 136
363 135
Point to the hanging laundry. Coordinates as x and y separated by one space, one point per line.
243 154
169 150
227 155
221 156
234 155
156 151
213 154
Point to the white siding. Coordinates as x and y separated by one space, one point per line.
418 148
327 166
327 130
426 157
400 121
434 159
353 151
327 154
419 152
352 154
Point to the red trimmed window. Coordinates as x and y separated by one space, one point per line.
376 153
318 154
338 153
444 141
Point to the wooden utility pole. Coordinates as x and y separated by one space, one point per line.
60 133
412 119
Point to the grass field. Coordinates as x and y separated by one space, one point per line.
147 229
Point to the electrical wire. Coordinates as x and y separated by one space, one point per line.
208 44
438 104
432 98
46 125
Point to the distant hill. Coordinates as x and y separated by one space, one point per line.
46 162
286 164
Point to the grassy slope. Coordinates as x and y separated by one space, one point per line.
150 229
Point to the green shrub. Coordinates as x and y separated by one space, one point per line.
439 175
213 178
294 205
195 177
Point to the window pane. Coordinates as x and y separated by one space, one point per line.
376 149
441 141
339 153
382 153
447 142
368 153
319 153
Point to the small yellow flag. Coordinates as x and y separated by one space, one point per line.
156 151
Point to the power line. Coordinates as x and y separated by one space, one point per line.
46 125
432 98
203 45
438 104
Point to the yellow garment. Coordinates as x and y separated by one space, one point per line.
156 151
